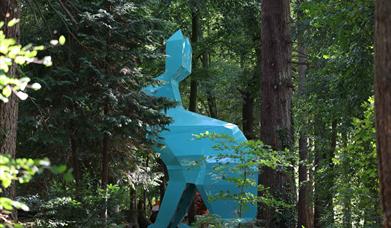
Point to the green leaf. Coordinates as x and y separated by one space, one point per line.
59 169
7 91
39 48
36 86
44 162
47 61
62 40
23 96
68 177
3 99
13 22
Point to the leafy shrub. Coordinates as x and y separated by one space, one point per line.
63 209
249 155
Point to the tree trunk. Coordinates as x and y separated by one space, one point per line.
304 203
319 204
212 106
74 154
305 191
105 161
248 114
325 147
347 196
105 171
248 97
383 102
276 101
347 212
133 212
331 174
8 125
9 111
106 111
9 9
195 34
193 95
75 163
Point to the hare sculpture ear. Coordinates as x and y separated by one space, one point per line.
178 60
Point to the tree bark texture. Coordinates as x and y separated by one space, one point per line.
304 205
248 114
249 94
9 111
9 9
276 102
133 212
383 102
195 35
212 106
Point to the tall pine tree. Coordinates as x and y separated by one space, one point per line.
383 102
276 102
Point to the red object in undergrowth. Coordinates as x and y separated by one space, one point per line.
199 205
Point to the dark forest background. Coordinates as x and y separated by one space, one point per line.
297 75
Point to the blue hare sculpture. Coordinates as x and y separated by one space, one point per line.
188 160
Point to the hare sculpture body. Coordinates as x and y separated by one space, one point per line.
189 161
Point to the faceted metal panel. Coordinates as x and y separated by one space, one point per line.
189 161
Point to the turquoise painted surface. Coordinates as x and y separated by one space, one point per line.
190 161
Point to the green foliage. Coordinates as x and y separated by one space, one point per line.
214 221
93 93
13 53
248 155
358 184
96 90
114 47
62 208
20 169
209 220
338 44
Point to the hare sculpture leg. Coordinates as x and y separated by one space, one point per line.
176 202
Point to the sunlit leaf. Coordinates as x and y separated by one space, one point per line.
62 40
